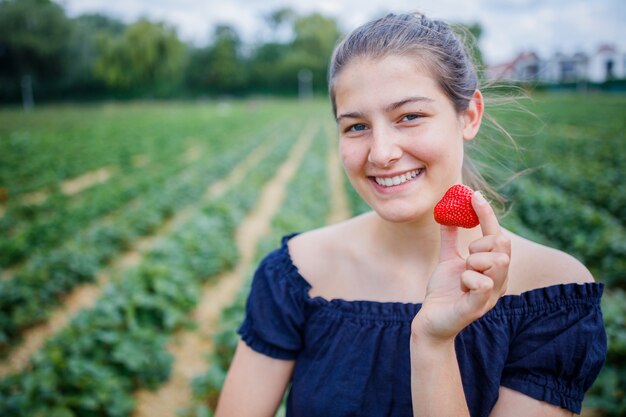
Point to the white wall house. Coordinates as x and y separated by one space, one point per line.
562 68
605 63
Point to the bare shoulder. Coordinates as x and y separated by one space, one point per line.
317 241
535 266
328 252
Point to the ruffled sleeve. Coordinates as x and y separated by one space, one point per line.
559 344
274 309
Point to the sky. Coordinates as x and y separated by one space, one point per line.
509 26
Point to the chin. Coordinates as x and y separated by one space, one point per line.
404 215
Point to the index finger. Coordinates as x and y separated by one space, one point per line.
489 223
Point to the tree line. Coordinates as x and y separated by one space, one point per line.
46 55
52 56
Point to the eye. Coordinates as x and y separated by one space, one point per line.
410 117
359 127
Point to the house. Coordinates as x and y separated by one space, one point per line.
525 67
605 63
563 68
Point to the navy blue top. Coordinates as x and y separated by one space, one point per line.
352 357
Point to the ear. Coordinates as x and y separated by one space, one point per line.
473 116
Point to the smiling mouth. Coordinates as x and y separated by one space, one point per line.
398 179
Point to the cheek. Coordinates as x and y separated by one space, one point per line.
352 156
441 147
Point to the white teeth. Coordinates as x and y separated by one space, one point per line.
397 180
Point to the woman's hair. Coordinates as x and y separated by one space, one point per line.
436 47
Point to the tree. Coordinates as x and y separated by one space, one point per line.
148 57
312 47
265 73
226 69
33 36
83 52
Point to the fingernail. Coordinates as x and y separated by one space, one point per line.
480 198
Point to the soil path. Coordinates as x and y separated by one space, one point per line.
71 186
189 348
76 185
85 296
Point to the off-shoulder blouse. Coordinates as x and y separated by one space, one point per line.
352 357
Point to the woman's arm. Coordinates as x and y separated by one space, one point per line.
512 403
436 380
255 384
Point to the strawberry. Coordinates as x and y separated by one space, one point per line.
455 208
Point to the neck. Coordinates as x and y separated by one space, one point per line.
415 244
407 241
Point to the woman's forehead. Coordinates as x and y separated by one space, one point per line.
386 82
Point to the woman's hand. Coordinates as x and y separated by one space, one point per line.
462 290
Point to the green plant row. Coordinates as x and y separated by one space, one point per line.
575 142
40 149
57 220
576 227
606 192
30 296
93 366
306 207
27 229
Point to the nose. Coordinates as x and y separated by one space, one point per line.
384 148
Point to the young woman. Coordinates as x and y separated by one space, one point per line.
390 313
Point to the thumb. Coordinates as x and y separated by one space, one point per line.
449 243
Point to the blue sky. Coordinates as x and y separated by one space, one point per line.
510 26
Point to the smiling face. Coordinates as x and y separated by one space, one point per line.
401 139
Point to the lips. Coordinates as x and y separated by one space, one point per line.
390 181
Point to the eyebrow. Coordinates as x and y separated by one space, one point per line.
417 99
391 107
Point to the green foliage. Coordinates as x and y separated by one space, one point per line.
33 44
34 33
315 39
226 68
148 55
106 353
608 394
157 191
584 231
99 56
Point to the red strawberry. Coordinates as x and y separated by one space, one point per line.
455 208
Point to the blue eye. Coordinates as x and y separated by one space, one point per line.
357 127
411 117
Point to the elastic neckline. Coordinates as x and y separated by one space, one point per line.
535 300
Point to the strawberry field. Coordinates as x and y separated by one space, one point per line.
128 233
